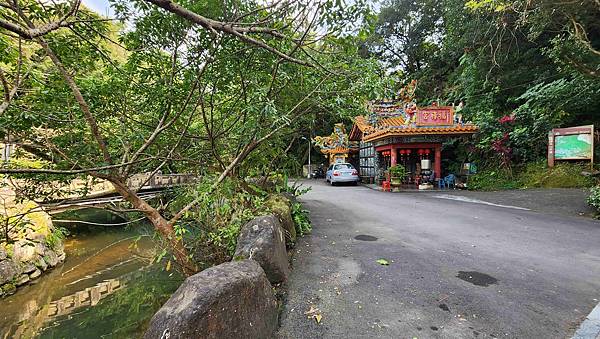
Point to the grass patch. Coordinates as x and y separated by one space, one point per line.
562 175
533 175
493 180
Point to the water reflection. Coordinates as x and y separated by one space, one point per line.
106 287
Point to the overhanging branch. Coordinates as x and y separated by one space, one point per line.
228 28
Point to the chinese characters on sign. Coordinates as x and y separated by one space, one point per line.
435 116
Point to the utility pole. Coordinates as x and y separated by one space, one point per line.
309 147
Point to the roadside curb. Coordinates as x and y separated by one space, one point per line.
590 328
405 191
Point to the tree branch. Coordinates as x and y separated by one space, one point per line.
34 32
252 145
228 28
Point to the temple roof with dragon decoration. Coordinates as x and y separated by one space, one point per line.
402 117
336 143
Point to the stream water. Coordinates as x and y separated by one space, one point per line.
106 288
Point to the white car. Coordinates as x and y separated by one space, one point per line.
341 172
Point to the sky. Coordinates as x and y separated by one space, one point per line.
99 6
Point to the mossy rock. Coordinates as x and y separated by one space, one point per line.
10 250
9 289
281 207
291 197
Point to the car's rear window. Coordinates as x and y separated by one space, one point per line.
343 166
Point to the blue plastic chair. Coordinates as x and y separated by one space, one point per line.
450 181
441 183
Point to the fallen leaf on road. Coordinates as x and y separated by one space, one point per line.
311 311
383 262
314 313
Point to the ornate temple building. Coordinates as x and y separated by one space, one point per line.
396 132
337 147
399 132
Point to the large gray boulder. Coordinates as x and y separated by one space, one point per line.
8 271
231 300
281 206
23 251
262 239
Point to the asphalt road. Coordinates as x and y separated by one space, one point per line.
524 274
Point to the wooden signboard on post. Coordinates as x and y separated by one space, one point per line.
571 143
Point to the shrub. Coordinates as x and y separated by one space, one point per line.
397 171
56 236
489 180
533 175
594 198
301 219
562 175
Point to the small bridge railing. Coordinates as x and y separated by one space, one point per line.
159 180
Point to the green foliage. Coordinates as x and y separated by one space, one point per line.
489 180
397 171
594 198
301 219
536 61
56 236
211 228
494 5
162 93
533 175
562 175
9 248
296 188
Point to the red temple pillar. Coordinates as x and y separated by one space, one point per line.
394 155
438 162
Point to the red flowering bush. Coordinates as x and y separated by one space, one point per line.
502 148
507 119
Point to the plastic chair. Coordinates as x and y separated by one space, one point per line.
441 183
385 186
450 180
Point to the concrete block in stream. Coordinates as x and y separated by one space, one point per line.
262 239
232 300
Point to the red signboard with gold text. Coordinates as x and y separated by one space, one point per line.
435 116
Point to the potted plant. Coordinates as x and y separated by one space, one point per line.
397 174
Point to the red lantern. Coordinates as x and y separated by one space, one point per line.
427 151
420 152
408 151
402 152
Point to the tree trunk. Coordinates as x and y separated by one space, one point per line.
162 225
